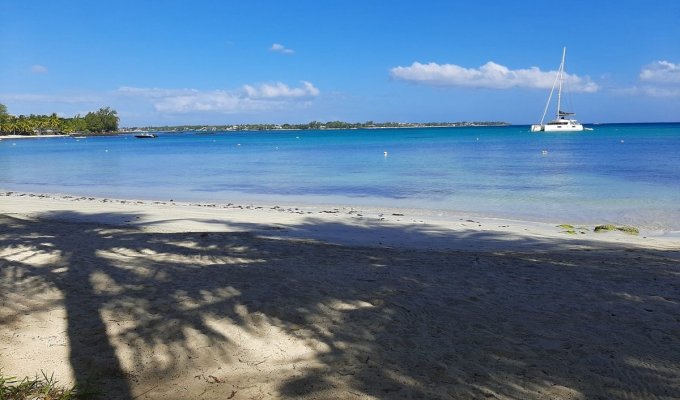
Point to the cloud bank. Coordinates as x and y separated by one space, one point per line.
247 98
490 76
657 79
661 72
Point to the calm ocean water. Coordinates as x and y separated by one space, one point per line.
627 173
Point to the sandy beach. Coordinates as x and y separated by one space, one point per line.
151 300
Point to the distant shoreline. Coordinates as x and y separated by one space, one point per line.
336 125
243 128
255 128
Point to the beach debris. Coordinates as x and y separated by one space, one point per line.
209 378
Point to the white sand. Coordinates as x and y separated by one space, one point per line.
179 301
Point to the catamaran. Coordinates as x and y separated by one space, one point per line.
563 121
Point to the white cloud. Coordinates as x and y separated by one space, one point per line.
489 75
661 72
279 90
38 69
279 48
247 98
657 79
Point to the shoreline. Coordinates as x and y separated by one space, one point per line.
336 224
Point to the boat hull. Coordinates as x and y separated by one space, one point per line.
563 128
571 127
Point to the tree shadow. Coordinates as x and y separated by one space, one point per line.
249 316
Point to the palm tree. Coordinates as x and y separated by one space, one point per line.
8 126
23 125
54 122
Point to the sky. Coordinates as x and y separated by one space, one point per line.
232 62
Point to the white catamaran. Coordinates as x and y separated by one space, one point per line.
563 121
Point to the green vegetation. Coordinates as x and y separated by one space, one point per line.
609 227
39 388
103 120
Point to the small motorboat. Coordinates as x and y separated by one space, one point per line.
146 136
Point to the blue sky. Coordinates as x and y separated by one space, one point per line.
228 62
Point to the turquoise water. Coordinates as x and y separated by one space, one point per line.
627 173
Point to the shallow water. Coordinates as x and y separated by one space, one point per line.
619 173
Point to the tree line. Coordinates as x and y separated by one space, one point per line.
103 120
314 125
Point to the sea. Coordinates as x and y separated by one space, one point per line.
616 173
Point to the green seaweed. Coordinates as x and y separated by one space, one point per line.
604 228
631 230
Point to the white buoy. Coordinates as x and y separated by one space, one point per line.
385 153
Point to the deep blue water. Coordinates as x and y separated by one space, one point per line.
622 173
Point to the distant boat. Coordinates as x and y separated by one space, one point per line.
146 136
563 121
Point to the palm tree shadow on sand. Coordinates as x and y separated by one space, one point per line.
215 314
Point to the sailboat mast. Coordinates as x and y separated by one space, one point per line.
559 74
